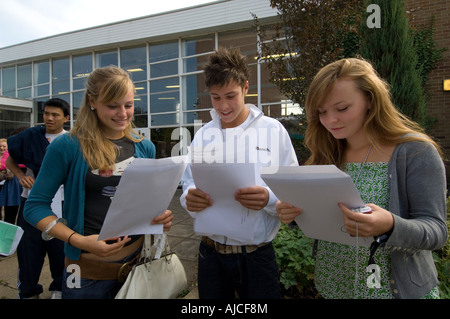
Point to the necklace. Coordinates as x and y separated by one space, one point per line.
355 285
364 163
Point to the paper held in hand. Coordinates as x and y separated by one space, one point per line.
317 190
144 192
227 217
10 236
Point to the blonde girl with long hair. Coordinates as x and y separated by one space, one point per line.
399 172
89 162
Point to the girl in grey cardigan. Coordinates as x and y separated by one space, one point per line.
399 172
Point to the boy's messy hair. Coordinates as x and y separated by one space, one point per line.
225 66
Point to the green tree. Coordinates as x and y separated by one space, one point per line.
390 48
310 34
427 51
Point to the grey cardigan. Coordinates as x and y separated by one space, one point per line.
417 201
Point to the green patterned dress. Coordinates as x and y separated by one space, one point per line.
338 265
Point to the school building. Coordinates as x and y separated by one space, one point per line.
164 54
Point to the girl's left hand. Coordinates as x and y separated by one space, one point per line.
165 219
375 223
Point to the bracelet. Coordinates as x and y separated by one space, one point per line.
45 234
68 239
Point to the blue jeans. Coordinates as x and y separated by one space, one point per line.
252 275
94 289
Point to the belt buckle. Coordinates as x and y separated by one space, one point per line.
123 272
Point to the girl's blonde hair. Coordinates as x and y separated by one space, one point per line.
384 123
107 84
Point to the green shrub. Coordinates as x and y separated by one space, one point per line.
293 251
442 261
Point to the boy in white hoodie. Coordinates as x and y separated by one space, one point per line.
241 133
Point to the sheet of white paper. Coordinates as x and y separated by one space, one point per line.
144 192
10 236
57 203
318 189
226 216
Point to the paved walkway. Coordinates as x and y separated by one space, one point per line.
182 240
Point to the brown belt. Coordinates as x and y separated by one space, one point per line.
230 249
102 270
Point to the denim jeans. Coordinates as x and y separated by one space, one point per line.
93 289
252 275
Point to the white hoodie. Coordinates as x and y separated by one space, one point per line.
261 140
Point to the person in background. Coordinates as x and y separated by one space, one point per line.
29 148
10 188
399 172
89 163
226 265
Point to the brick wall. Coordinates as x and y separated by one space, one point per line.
439 103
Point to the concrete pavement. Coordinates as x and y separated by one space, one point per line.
182 240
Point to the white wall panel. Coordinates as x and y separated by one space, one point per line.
215 16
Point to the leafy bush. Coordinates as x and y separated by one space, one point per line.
293 251
442 261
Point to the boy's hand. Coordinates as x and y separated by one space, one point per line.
197 200
255 197
287 212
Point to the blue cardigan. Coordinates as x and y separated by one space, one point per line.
64 164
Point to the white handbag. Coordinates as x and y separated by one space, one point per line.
159 277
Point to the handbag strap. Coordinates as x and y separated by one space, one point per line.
160 245
160 240
146 247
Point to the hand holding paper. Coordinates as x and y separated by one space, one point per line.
226 216
317 190
197 200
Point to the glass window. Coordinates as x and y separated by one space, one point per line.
164 95
165 119
198 45
195 63
163 59
245 40
140 105
41 72
38 116
42 90
24 93
24 75
9 81
103 59
60 76
195 96
269 90
81 68
163 69
195 52
189 118
163 51
134 61
10 121
162 138
77 99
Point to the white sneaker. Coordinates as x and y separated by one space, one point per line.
56 295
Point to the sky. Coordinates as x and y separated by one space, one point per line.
26 20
